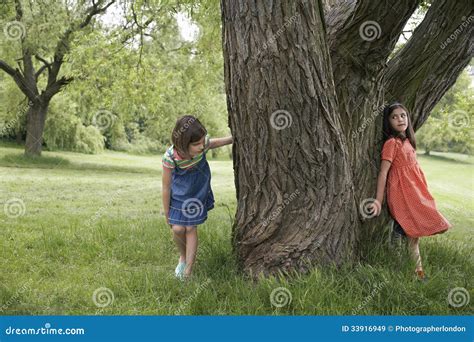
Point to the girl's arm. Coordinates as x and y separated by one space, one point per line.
381 183
218 142
166 191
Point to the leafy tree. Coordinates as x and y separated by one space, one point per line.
39 37
449 127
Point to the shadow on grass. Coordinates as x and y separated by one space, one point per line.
20 160
445 159
45 162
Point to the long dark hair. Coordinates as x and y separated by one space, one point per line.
188 129
389 132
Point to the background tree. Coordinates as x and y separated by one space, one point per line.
133 72
68 18
305 82
449 126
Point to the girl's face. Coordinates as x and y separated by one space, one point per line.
196 148
398 120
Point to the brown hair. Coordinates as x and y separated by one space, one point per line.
389 132
187 130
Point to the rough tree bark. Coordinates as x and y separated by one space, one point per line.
429 64
26 76
305 82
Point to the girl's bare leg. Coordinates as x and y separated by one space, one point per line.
191 249
413 245
179 237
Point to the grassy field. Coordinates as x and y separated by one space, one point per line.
83 234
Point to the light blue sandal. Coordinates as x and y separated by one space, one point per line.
179 271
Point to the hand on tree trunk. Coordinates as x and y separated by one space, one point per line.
375 207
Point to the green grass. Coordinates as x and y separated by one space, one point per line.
451 182
93 221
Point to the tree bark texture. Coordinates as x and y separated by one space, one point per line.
306 82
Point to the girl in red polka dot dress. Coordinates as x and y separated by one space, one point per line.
411 206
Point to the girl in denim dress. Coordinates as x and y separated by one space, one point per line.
186 187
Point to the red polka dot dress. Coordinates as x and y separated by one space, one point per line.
408 198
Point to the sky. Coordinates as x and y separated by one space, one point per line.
188 29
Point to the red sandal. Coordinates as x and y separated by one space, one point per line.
420 275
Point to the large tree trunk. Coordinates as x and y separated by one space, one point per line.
294 185
361 36
36 118
305 87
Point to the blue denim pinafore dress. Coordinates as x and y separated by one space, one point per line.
191 194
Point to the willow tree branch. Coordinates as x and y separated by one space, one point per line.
432 59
